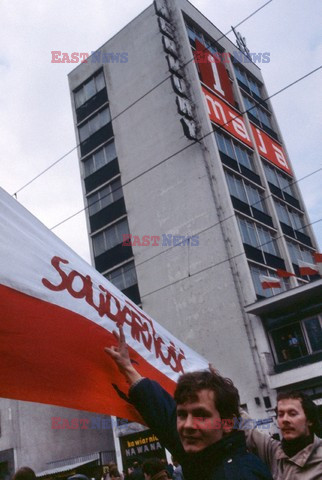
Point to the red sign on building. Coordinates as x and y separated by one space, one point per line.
213 72
233 122
229 119
270 149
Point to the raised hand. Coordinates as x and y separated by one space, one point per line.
121 357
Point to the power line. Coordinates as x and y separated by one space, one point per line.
296 81
218 223
186 147
214 225
222 221
247 18
242 253
44 171
131 105
219 263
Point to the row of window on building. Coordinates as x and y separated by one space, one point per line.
244 189
109 190
255 234
245 186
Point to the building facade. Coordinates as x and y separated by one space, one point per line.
191 198
53 440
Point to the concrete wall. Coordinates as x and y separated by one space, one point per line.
27 428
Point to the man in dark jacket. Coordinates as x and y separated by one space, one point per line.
196 426
137 472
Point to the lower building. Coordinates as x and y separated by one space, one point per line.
53 440
292 321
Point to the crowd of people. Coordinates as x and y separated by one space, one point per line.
197 426
151 469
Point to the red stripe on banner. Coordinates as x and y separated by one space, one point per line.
308 271
52 355
284 273
267 284
317 257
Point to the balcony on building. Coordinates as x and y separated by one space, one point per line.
293 324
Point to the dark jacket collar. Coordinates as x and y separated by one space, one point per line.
292 447
214 455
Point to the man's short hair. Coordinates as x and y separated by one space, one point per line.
78 476
24 473
153 466
309 407
114 472
225 393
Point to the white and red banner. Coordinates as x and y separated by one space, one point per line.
56 316
269 282
284 273
232 121
318 260
307 268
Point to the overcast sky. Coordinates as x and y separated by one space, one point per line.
36 126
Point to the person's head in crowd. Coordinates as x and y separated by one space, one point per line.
207 403
154 469
175 461
297 415
136 464
114 473
24 473
78 476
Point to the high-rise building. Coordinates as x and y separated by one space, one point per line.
191 199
